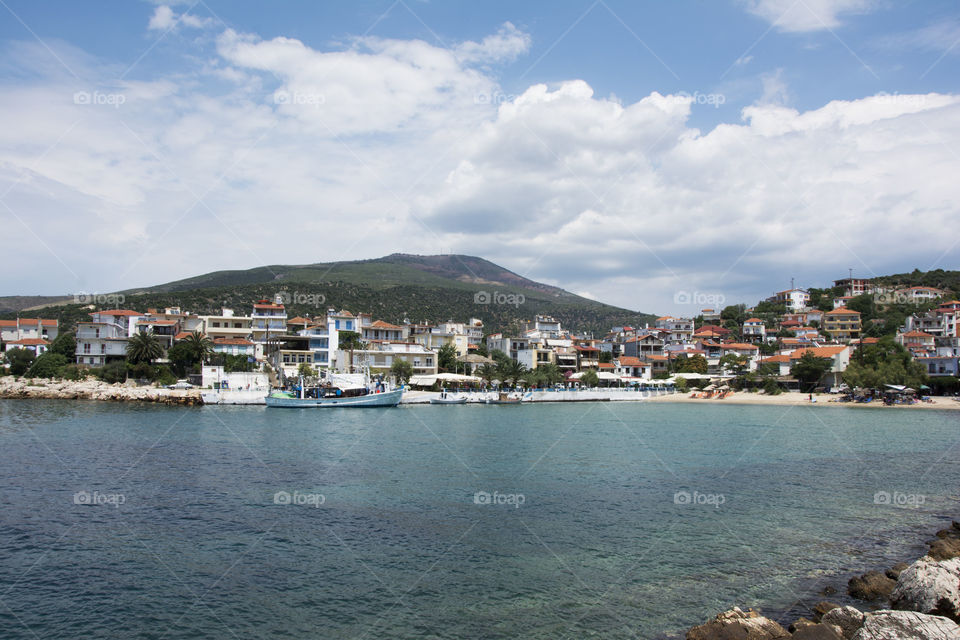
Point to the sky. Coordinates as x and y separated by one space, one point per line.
660 156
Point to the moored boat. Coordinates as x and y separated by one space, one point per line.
337 391
448 400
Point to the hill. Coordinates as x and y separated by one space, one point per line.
393 288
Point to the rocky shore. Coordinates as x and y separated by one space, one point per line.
918 601
11 387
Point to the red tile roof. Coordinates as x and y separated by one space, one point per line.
630 361
916 334
118 312
231 341
260 305
8 323
183 335
820 352
29 341
842 311
380 324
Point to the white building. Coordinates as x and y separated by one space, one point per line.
104 337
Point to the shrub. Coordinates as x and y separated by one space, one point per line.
165 376
73 372
113 372
46 366
770 387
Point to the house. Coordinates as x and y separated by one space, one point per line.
544 327
853 287
710 316
164 330
235 347
380 356
380 330
534 356
104 338
793 299
839 356
659 364
630 367
588 357
268 320
754 330
842 324
917 295
805 332
29 329
226 325
39 346
940 365
298 323
918 343
676 330
643 346
711 332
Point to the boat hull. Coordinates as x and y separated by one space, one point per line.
448 401
386 399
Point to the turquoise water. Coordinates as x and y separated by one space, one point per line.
609 520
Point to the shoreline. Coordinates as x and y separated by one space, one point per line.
910 600
54 389
794 398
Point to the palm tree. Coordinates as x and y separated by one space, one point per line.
488 372
511 371
143 347
348 341
200 345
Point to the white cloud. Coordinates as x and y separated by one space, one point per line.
807 15
164 18
193 173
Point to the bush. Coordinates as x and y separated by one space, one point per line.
164 375
20 360
143 371
73 372
770 387
47 365
113 372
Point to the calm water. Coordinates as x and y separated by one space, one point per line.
186 541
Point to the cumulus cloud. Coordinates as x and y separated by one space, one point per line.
164 18
807 15
276 152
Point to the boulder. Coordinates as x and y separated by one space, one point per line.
799 623
929 586
737 624
894 572
847 618
818 631
947 544
821 608
906 625
872 585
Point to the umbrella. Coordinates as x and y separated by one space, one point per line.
710 387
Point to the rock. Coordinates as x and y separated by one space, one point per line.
872 585
929 586
821 608
894 572
819 631
828 591
737 624
847 618
906 625
799 623
947 544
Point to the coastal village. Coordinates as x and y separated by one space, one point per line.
758 347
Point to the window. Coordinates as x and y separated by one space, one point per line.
86 347
236 325
103 348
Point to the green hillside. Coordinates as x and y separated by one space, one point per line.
393 288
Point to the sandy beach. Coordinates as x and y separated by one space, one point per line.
794 398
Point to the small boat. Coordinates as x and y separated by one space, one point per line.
504 398
448 400
342 392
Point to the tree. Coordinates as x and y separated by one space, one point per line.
65 344
113 372
306 370
809 369
482 349
47 365
181 355
690 364
734 316
488 372
589 378
606 356
349 341
511 371
144 347
447 358
19 360
200 346
402 370
735 364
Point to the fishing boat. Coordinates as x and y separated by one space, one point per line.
445 399
336 391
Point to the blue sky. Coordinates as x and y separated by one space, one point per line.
643 153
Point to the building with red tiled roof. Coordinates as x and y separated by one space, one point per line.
28 328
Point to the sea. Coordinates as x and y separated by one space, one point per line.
579 520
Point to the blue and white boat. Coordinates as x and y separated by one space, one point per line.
338 391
